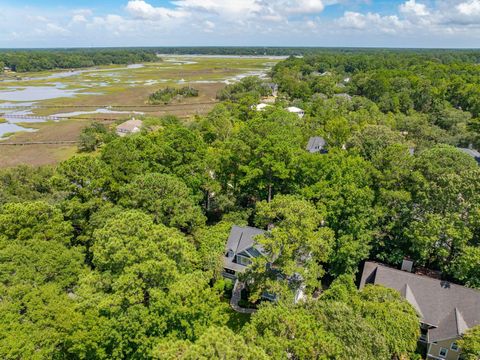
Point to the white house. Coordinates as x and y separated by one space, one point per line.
295 110
261 106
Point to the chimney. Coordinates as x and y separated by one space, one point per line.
407 265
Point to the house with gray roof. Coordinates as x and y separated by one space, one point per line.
240 249
446 310
316 144
129 127
472 152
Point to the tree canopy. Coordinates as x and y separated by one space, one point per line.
116 253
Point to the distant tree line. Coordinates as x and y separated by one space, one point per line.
434 54
350 59
39 60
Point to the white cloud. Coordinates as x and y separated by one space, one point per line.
143 10
353 20
469 8
458 15
112 23
243 22
371 22
232 9
307 6
411 7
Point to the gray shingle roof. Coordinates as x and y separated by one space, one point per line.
316 144
449 307
450 327
129 126
240 240
472 152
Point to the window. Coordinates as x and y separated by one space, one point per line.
454 346
423 337
242 260
443 352
254 252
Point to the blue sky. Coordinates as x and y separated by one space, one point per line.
377 23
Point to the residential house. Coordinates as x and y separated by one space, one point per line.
129 127
472 152
295 110
316 144
240 249
446 310
261 106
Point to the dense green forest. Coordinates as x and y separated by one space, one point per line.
39 60
117 252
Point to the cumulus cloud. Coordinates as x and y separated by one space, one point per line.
307 6
465 13
469 8
371 22
143 10
411 7
457 15
233 9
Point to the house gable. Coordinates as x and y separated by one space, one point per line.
241 248
447 309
